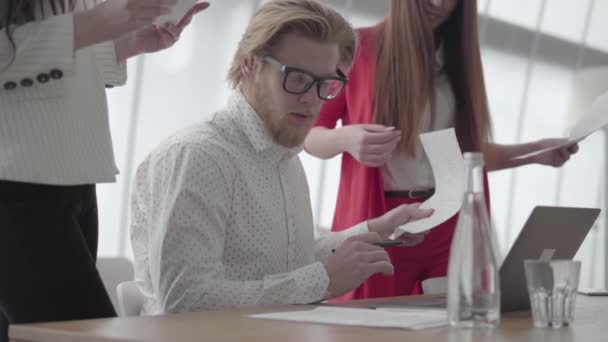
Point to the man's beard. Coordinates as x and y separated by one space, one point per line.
282 132
285 134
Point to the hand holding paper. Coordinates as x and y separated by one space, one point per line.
444 154
177 14
555 152
592 120
154 38
385 224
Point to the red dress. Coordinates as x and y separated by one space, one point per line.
361 194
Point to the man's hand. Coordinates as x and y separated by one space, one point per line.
355 261
385 225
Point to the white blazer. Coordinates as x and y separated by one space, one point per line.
54 126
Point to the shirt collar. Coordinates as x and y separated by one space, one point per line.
249 122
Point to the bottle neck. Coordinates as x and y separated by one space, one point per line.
474 177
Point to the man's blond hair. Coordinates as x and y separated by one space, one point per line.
307 18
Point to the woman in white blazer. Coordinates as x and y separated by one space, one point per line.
56 58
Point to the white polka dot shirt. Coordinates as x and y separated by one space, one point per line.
221 218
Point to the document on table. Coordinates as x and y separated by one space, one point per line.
595 118
177 13
446 160
411 319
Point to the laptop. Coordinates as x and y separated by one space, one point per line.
559 231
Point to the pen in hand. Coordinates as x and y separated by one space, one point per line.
383 244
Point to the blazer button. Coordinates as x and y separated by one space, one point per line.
56 74
43 78
10 85
27 82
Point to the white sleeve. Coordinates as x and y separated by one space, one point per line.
325 245
112 72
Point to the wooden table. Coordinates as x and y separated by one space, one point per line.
591 325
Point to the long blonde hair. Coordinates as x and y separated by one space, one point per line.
405 79
307 18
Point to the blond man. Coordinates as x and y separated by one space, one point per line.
221 211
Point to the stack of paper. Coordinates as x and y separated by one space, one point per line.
411 319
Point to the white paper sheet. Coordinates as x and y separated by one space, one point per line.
446 160
592 120
411 319
179 11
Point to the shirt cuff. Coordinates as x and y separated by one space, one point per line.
313 282
360 228
325 245
112 72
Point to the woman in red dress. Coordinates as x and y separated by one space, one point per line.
418 70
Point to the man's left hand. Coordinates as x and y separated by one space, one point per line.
386 224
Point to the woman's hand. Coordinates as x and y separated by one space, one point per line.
152 38
113 19
557 157
371 144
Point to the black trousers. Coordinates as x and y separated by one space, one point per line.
48 249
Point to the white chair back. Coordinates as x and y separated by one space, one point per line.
130 299
114 271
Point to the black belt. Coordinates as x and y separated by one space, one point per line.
410 193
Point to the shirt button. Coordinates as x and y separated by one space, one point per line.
56 74
43 78
27 82
10 85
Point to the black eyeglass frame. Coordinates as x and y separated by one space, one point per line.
286 70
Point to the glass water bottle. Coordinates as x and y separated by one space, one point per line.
473 283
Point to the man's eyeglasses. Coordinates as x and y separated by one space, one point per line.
298 81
